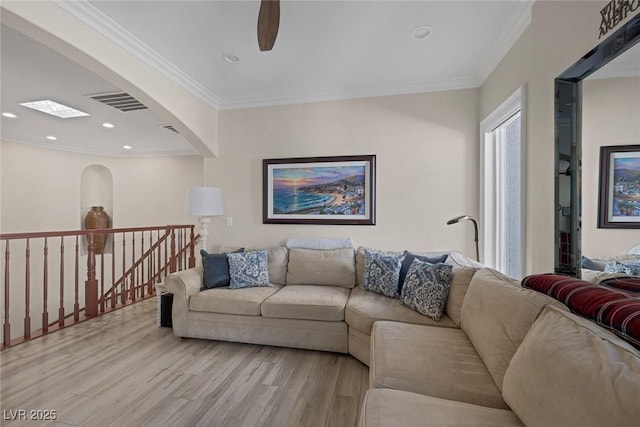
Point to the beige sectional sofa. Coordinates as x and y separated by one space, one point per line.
518 358
314 303
501 355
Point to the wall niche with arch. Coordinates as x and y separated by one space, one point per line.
96 190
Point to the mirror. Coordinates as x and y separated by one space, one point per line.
568 140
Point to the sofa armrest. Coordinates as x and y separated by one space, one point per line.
182 285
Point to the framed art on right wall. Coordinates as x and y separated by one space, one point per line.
619 193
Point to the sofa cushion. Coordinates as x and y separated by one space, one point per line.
426 288
496 315
384 407
278 261
457 290
408 259
248 269
438 362
611 308
215 269
364 308
570 372
322 267
381 272
311 302
232 301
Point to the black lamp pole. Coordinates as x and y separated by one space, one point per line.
475 226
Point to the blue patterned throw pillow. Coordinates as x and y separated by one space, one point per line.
381 273
426 288
408 259
249 269
215 269
632 269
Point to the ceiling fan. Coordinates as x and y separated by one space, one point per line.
268 23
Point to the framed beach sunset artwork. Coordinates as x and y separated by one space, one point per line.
319 190
619 204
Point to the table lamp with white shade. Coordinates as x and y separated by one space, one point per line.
204 202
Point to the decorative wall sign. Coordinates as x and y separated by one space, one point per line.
615 12
319 190
619 202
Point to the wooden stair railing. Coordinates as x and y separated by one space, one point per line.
142 262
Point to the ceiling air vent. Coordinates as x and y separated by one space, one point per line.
171 128
119 100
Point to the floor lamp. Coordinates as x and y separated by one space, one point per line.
204 202
475 225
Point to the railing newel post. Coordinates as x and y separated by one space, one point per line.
91 284
192 256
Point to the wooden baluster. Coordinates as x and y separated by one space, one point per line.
166 252
192 251
150 272
113 271
45 312
133 269
173 265
159 257
102 278
123 285
76 304
27 291
179 247
6 327
142 266
91 284
61 309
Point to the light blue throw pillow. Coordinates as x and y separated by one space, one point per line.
381 272
426 288
249 269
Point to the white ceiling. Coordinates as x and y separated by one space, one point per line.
324 50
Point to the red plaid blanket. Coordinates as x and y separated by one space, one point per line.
614 309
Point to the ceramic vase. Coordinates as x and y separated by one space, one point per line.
97 218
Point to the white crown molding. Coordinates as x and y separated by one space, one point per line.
507 38
87 13
108 153
456 83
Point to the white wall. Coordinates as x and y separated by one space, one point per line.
41 188
427 166
610 116
560 33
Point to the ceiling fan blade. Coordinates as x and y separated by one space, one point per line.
268 23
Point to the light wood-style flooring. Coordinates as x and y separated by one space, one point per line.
122 370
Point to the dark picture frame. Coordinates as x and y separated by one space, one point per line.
619 193
337 190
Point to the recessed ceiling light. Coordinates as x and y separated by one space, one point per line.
127 147
231 58
108 125
10 115
51 138
421 32
54 108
